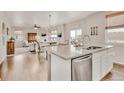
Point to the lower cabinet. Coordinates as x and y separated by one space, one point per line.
60 69
102 63
96 66
111 56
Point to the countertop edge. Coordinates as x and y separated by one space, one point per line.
69 58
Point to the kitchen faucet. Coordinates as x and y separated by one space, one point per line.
84 39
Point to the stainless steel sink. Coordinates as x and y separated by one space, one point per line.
93 47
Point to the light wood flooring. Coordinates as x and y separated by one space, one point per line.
117 73
29 66
32 66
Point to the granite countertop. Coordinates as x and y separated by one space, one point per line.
68 51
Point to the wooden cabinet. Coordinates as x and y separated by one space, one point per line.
32 37
10 47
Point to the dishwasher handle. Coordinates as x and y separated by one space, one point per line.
85 58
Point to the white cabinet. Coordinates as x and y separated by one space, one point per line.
60 69
111 55
102 63
96 66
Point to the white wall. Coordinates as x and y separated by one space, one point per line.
3 48
97 19
100 21
71 26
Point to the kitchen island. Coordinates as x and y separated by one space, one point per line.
60 58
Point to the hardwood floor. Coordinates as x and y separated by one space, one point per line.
117 74
31 66
28 66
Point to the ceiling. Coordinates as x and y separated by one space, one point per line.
41 18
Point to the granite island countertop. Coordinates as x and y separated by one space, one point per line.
69 51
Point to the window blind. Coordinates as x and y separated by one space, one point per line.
115 20
115 27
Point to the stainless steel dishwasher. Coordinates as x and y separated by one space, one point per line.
82 68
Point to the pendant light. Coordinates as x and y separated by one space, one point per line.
49 23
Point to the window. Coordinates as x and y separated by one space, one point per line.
18 35
115 35
73 34
53 35
76 33
115 27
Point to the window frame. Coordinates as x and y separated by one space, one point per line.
117 30
76 33
19 35
53 35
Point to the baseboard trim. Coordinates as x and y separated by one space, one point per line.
3 59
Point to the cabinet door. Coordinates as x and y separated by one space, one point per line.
111 55
110 61
96 69
104 63
107 61
60 69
